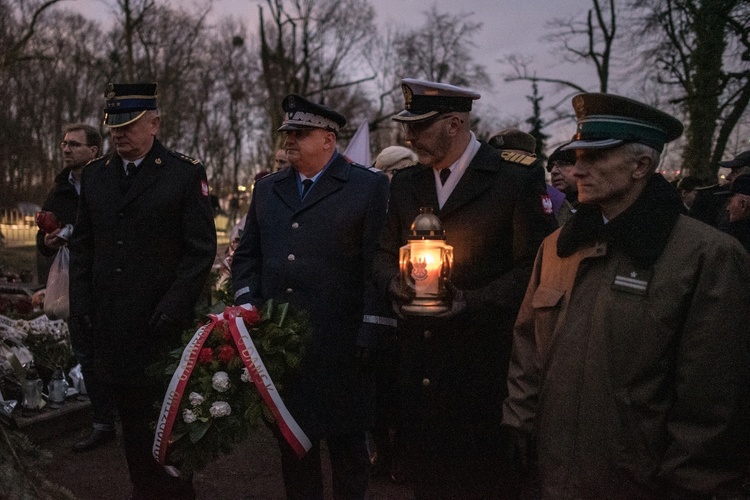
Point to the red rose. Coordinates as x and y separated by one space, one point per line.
251 317
226 353
226 334
47 221
206 355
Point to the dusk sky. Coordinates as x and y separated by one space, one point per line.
508 27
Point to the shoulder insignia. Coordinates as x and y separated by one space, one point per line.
519 158
184 157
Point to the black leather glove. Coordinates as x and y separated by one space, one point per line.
400 294
458 302
82 326
523 451
162 326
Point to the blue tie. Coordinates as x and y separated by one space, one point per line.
306 185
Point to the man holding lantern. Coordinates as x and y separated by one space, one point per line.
494 212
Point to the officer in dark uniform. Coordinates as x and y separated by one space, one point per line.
310 237
140 253
495 212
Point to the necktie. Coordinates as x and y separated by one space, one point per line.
306 185
444 174
131 169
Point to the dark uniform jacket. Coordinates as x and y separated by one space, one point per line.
145 252
630 357
62 200
454 371
316 254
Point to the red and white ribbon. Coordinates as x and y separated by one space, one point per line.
291 431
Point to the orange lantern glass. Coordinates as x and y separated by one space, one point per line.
426 262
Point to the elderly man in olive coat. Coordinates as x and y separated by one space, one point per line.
630 365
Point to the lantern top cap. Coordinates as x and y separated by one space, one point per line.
426 226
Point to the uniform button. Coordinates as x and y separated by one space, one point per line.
425 382
295 225
290 256
121 215
427 334
120 242
289 290
118 270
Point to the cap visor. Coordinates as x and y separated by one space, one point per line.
114 120
600 144
409 117
732 164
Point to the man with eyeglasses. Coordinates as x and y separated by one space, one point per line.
142 248
81 144
630 367
309 239
560 167
495 213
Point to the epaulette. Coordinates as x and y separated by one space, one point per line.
363 167
519 158
184 157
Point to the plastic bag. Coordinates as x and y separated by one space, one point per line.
56 303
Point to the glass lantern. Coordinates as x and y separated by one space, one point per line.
425 264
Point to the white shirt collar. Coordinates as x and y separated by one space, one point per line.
457 171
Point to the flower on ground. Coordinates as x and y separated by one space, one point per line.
188 416
220 409
220 381
196 399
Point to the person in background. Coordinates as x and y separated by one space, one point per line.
520 146
738 211
142 248
309 239
280 161
710 204
495 213
560 167
630 357
394 158
81 144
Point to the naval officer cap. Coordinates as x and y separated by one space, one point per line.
302 114
608 120
424 100
126 102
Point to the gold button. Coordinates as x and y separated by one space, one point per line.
425 382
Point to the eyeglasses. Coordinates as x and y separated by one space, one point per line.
419 127
72 144
559 165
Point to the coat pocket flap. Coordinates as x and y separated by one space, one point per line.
546 297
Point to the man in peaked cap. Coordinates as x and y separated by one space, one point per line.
454 365
630 352
738 211
309 239
141 250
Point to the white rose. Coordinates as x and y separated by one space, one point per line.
220 381
195 398
220 409
245 377
188 416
